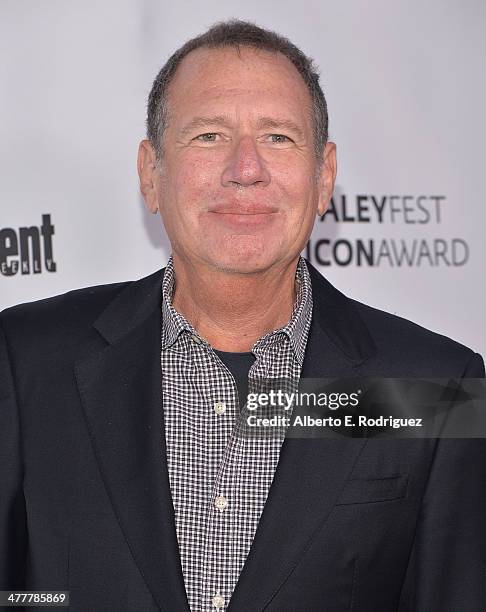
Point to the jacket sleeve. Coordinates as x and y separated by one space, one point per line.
447 568
13 530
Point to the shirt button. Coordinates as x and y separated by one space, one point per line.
219 407
218 601
195 339
220 503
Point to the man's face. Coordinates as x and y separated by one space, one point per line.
238 186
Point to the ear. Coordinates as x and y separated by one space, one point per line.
327 177
147 169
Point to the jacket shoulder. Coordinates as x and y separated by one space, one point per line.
56 324
409 342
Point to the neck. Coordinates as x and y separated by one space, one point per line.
232 311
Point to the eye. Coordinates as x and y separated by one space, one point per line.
208 137
278 138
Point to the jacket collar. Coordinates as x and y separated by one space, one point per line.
337 317
334 315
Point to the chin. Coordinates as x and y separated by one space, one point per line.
242 262
244 254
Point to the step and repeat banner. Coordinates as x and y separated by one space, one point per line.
406 93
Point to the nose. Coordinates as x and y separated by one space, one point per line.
245 167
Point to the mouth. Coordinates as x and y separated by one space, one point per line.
243 215
247 211
244 210
238 218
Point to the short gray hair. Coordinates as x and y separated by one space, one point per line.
236 33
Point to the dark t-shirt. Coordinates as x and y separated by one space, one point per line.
239 365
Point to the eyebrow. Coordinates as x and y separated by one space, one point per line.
225 121
204 122
280 124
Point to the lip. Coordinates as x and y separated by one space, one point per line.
244 221
244 210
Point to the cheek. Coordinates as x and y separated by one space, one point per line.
301 195
294 175
187 186
196 175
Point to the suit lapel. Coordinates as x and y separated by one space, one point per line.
311 472
120 388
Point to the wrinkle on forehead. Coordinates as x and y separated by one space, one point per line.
197 68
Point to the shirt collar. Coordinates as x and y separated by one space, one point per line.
173 323
296 330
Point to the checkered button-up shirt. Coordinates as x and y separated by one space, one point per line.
219 479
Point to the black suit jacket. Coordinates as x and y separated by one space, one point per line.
349 524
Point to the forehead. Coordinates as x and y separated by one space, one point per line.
240 76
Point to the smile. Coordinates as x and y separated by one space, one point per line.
240 219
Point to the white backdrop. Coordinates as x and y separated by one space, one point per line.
405 87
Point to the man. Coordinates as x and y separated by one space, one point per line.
124 479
